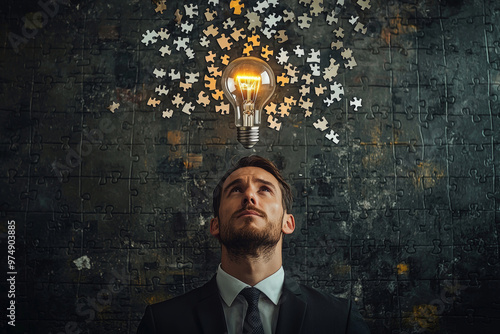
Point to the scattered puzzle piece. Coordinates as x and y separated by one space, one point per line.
223 108
273 123
188 108
266 53
237 6
203 99
333 136
150 37
321 124
113 107
161 90
159 73
153 102
167 113
356 103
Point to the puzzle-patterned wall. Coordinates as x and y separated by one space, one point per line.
115 130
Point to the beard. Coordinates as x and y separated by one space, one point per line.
248 241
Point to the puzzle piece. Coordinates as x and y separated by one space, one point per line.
204 41
304 21
181 43
163 34
356 103
331 18
185 86
224 42
191 10
211 30
331 71
281 37
186 27
261 6
254 40
299 52
214 71
319 90
282 57
321 124
288 16
360 27
270 108
268 32
272 20
113 107
223 108
238 34
218 95
159 73
266 53
284 109
167 113
210 15
192 78
229 23
153 102
188 108
304 90
337 90
160 6
273 123
313 56
351 63
315 69
247 49
210 57
178 100
333 136
203 99
225 59
237 5
161 90
253 21
165 50
150 37
316 7
174 75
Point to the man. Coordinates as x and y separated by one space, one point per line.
250 292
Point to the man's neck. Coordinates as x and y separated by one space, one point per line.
250 269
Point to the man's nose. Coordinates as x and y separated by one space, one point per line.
249 197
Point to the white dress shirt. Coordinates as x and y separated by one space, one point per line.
235 306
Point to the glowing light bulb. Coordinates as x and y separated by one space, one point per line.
248 83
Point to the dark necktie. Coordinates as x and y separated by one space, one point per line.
252 323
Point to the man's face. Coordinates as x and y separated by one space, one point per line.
251 215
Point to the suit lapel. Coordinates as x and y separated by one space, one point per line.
292 309
209 309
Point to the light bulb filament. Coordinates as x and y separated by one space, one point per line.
249 88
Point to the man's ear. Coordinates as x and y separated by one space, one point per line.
288 224
214 227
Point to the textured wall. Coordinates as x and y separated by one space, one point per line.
387 126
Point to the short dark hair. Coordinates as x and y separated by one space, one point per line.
255 161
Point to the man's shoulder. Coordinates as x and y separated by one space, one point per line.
322 299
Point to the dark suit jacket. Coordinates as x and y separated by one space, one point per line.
302 310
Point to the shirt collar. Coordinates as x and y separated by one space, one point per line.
230 286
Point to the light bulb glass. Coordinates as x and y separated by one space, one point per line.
248 83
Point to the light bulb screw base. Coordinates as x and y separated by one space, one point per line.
248 136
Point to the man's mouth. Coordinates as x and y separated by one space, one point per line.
248 213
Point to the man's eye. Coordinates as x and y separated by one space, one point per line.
236 189
265 189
